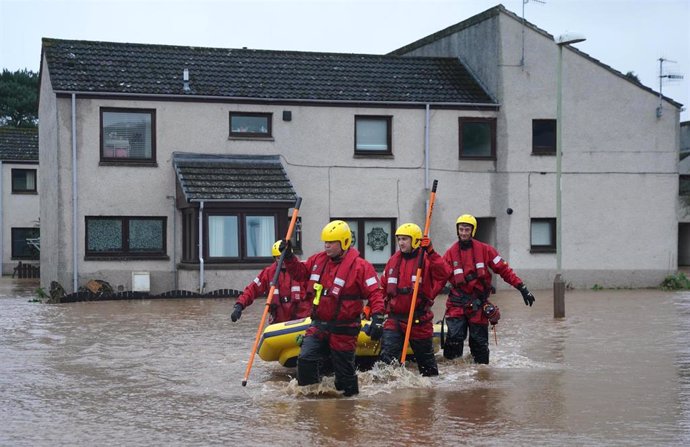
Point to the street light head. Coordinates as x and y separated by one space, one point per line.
570 38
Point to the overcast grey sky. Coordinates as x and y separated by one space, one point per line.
628 35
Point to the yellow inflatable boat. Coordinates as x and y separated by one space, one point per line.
279 342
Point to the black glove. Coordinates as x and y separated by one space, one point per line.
375 328
286 247
526 295
237 312
427 245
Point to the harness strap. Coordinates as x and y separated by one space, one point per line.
346 297
460 299
410 290
337 327
404 317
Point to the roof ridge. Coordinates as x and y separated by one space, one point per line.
115 68
51 40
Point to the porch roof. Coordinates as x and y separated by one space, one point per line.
232 178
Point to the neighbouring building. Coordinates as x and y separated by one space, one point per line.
684 196
19 200
183 163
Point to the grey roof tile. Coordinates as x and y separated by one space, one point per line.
108 67
209 177
20 144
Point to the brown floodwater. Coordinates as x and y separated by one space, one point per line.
615 371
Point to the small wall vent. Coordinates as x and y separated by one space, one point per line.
141 282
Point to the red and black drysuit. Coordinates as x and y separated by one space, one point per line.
398 279
470 281
289 297
346 281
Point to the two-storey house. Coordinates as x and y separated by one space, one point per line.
19 200
184 162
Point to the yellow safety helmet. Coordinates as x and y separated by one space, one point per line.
469 220
275 251
337 230
411 230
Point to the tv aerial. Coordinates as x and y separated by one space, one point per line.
524 2
662 76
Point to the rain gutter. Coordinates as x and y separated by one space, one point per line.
285 100
201 247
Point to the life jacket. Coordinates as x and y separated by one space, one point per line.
477 275
393 274
400 297
334 291
295 290
338 283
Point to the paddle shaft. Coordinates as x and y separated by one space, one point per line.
279 265
417 278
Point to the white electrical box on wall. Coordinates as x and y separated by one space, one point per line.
141 282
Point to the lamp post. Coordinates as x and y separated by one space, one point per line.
559 283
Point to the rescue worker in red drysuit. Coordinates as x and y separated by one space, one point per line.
398 280
470 280
347 280
289 297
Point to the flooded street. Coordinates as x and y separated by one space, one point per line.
616 371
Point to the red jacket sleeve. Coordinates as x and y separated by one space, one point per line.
437 272
384 275
259 286
297 269
500 266
371 287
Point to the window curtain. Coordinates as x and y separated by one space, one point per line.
260 235
31 180
372 134
222 236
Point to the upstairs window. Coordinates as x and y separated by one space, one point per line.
250 125
544 137
128 135
478 138
543 235
23 181
373 135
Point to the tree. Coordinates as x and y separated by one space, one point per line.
19 98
